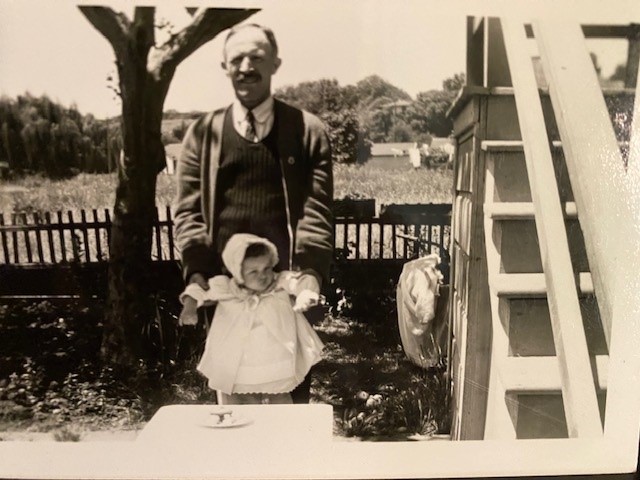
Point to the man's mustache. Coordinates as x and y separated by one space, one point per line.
248 76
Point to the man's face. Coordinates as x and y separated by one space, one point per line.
250 62
257 272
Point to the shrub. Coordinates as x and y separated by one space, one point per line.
349 142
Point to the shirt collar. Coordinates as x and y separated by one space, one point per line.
261 113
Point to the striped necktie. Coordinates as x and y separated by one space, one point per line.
250 132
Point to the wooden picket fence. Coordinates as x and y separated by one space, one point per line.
83 236
393 236
61 254
72 236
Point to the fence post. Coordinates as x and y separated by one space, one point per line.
156 228
107 217
85 235
38 231
75 248
52 252
381 246
5 248
14 237
96 232
61 232
170 234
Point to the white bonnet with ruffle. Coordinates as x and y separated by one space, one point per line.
234 252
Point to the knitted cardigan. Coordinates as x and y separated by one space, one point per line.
305 159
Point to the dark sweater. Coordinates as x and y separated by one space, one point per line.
251 195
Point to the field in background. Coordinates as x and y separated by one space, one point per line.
87 191
401 184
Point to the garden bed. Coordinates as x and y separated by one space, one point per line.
52 385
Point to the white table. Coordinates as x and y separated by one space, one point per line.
189 425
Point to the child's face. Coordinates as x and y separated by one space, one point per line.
257 272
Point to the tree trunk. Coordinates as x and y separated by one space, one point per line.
131 296
131 309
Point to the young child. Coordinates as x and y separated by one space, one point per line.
259 346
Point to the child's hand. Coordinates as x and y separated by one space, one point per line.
189 313
305 300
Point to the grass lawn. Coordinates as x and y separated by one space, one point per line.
53 387
87 191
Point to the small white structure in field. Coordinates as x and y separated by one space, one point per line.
414 156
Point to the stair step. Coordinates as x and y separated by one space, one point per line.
532 284
508 145
522 210
517 146
542 374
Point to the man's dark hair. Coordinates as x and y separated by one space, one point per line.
256 250
271 38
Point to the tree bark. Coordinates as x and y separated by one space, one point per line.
145 73
131 304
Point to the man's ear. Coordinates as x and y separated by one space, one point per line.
276 64
223 65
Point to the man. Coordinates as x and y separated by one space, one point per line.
258 166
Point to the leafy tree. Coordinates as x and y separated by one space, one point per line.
454 84
349 142
429 111
94 141
11 145
379 123
335 106
376 98
401 132
38 135
374 90
145 71
324 95
620 73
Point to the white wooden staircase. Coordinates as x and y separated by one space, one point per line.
552 258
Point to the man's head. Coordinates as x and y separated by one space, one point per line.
250 59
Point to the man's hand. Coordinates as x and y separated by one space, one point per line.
189 313
305 300
200 280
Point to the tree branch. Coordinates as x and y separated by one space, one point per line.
207 23
144 31
113 26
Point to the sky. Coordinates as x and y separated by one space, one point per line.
50 48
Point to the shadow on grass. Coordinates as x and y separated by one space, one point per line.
377 394
51 377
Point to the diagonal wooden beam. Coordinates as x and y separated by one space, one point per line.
607 196
593 159
621 415
578 388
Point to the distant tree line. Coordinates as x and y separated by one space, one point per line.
374 110
39 135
